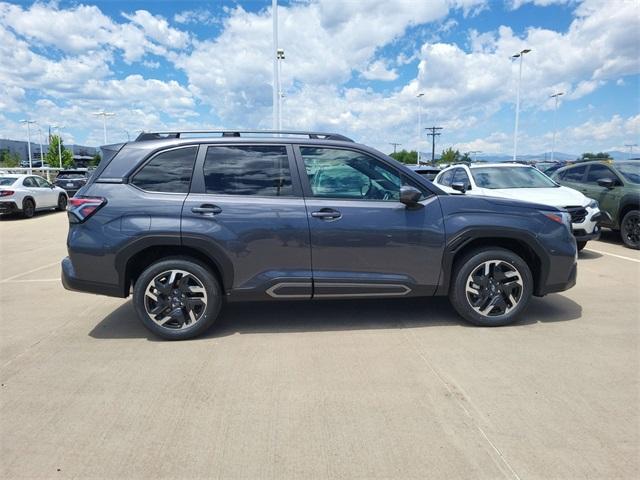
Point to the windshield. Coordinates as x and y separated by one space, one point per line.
6 181
630 171
516 177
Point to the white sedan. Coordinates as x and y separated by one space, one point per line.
27 194
523 182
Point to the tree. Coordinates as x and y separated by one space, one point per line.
8 159
52 156
95 160
404 156
449 156
594 156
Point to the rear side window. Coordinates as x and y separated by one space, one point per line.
248 170
168 172
574 174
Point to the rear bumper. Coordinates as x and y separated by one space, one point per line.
8 207
71 282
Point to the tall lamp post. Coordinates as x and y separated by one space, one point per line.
419 97
515 132
475 154
29 123
276 77
279 58
104 116
630 147
555 114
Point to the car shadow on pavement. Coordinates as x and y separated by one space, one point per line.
609 236
335 315
10 217
588 255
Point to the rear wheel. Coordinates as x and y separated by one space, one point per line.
491 287
177 298
28 208
62 202
630 229
581 245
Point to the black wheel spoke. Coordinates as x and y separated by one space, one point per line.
494 288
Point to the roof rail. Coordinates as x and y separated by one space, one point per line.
240 133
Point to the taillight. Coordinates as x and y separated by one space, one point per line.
6 193
81 208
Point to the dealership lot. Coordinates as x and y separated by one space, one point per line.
353 389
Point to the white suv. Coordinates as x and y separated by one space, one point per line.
523 182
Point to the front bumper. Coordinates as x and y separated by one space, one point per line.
588 228
8 207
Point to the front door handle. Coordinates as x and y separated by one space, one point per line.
326 214
207 209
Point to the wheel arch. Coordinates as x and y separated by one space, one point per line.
628 203
522 244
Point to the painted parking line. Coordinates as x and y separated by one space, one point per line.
612 254
32 280
30 271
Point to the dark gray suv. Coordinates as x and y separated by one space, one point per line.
190 220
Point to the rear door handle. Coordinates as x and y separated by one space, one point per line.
326 214
207 209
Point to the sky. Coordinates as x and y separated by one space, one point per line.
353 67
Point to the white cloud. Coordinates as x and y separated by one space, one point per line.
198 16
378 71
158 29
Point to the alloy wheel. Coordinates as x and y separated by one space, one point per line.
494 288
631 229
175 299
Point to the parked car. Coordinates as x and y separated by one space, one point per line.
526 183
72 180
27 194
188 222
426 171
616 186
34 164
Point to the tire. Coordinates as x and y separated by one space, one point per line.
62 203
581 245
509 280
177 303
28 208
630 229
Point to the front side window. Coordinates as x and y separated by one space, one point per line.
596 172
167 172
574 174
248 170
511 177
337 173
461 177
42 183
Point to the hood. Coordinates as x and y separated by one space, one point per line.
554 197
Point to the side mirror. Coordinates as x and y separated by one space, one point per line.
607 182
459 186
410 196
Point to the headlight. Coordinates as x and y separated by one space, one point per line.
593 203
559 217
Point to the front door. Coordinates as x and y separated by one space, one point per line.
245 208
364 241
608 198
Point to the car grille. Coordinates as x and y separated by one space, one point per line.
578 214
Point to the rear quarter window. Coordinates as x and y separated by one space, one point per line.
168 172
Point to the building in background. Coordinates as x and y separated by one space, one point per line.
82 155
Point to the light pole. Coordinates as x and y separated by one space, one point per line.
59 128
276 77
630 146
419 97
475 154
41 153
104 116
128 136
555 114
515 132
279 58
29 123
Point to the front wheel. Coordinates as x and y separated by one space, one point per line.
490 287
630 229
177 298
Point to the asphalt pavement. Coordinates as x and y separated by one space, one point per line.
393 389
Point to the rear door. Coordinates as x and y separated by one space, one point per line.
245 209
364 241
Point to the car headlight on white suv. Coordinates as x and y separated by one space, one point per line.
593 203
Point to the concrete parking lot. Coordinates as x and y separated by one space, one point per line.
362 389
